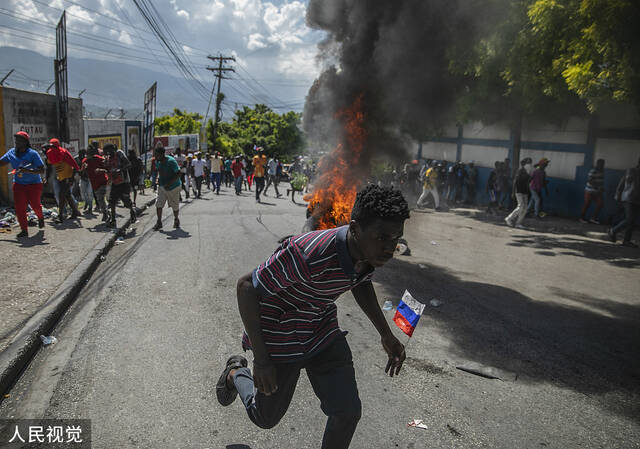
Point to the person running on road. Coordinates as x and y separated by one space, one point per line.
272 178
64 164
521 189
628 192
27 183
259 162
287 306
197 167
118 170
97 172
237 170
593 191
430 187
168 186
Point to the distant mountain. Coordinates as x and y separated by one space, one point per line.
108 84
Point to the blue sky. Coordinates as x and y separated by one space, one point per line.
275 50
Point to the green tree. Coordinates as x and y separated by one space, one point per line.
180 122
276 133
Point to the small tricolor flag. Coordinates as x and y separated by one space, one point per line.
408 313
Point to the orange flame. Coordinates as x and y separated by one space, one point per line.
334 192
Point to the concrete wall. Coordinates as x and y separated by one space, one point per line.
35 113
573 147
125 134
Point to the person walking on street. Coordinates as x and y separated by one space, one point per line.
135 174
492 189
86 192
182 162
521 189
96 170
236 169
228 175
472 179
538 182
593 192
628 193
430 186
197 167
118 170
293 293
64 165
217 167
27 183
259 162
168 186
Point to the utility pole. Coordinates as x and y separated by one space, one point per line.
218 73
6 76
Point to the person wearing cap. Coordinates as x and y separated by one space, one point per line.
64 164
118 170
538 182
27 183
168 186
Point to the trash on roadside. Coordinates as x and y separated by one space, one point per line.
103 258
422 266
402 248
435 302
119 241
6 396
417 423
388 305
488 372
433 242
51 340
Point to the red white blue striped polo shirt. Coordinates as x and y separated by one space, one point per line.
298 287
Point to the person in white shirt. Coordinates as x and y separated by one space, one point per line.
272 170
182 163
197 166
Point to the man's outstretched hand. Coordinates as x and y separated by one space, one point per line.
264 378
395 351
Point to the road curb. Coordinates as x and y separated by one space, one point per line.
16 357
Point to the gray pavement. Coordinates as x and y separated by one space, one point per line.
142 348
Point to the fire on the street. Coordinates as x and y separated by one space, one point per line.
334 193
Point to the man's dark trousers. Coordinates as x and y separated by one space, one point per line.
333 379
631 212
259 186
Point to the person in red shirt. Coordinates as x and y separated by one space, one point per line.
236 169
65 165
93 164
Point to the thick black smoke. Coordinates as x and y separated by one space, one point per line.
394 54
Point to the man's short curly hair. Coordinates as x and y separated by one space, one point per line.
374 202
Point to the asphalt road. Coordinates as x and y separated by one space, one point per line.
140 352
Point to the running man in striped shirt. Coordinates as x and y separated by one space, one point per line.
287 306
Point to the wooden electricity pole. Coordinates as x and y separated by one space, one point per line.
218 73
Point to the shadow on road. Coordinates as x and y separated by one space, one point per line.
237 446
585 343
549 245
36 239
176 234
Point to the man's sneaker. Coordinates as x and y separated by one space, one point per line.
594 221
227 395
157 226
628 244
176 223
509 222
41 223
22 234
611 236
582 220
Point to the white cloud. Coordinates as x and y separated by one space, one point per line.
183 13
300 63
212 11
256 41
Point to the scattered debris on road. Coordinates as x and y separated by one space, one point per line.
488 372
418 423
435 302
388 305
453 431
51 340
119 241
402 248
434 243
